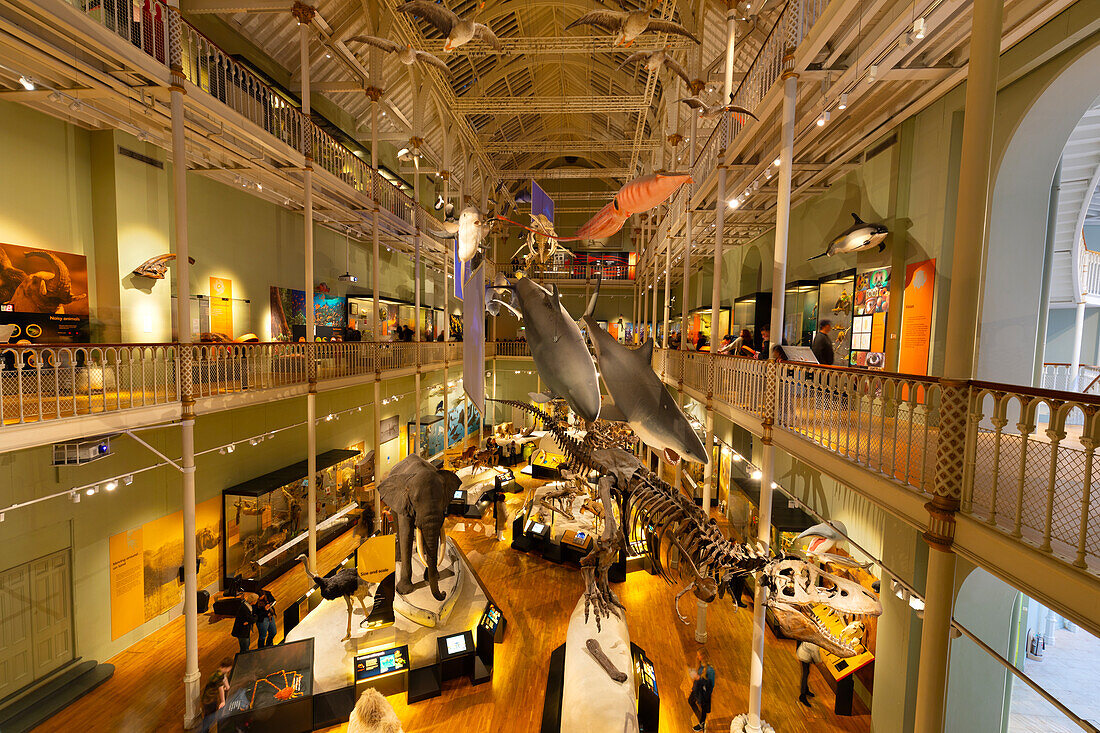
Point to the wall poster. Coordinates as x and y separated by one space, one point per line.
221 306
390 428
43 295
145 565
870 306
916 317
288 314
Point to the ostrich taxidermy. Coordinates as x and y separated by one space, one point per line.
156 267
342 584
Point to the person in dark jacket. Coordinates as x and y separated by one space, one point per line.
702 687
243 623
822 345
765 343
265 619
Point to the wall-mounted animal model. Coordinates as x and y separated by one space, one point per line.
11 277
345 583
557 346
418 494
859 236
405 54
640 398
157 267
45 291
459 31
470 230
629 25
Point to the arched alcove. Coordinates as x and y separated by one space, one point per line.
1018 216
750 271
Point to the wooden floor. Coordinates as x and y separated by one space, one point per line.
537 597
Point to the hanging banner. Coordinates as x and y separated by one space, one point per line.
916 317
541 203
221 306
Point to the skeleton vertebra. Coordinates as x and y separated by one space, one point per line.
672 523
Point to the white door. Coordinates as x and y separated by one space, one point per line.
16 663
51 617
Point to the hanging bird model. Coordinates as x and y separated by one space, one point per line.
459 31
707 112
629 25
654 60
405 54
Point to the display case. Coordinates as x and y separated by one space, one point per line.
429 437
836 292
271 689
801 312
752 311
265 518
645 685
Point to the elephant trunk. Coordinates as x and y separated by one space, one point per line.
431 539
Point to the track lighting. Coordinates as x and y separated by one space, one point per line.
843 103
872 73
777 161
27 83
755 475
821 120
110 485
75 105
74 496
128 479
54 97
231 447
734 203
253 441
91 491
918 28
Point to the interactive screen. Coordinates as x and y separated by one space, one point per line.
456 644
381 662
458 494
537 528
579 537
491 618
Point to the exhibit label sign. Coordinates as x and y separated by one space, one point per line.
44 295
376 558
221 305
916 317
127 582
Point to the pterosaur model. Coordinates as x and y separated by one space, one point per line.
405 54
557 346
859 236
469 230
629 25
459 31
654 60
707 112
641 400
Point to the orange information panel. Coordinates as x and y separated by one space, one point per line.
221 305
916 317
127 582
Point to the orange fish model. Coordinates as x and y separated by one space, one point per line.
641 194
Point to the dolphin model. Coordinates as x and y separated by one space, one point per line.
556 343
640 398
859 236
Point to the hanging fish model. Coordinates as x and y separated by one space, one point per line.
859 236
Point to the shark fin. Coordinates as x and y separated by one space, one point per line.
645 351
610 411
592 301
859 222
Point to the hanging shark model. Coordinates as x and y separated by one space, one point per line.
640 398
556 343
859 236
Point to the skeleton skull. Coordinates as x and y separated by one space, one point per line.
795 587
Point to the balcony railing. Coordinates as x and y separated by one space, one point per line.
1029 460
1090 267
56 382
1060 376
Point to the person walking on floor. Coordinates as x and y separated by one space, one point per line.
243 623
213 694
822 345
702 687
265 619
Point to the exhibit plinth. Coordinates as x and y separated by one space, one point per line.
271 689
420 606
591 700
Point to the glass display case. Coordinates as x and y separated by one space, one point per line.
801 312
431 435
836 305
271 689
752 311
265 517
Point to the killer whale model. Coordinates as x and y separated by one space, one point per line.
640 398
859 236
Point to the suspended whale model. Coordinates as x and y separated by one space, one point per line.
557 345
469 230
859 236
640 398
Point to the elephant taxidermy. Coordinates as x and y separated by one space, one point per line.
418 495
156 267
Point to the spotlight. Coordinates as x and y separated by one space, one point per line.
110 485
221 451
775 485
253 441
737 458
91 491
755 475
128 479
75 105
843 104
777 161
259 187
231 447
74 496
821 120
54 97
828 114
1 516
734 203
918 28
27 83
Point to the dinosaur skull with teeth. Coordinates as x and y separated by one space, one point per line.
795 587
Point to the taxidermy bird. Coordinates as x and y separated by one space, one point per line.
406 55
629 25
342 584
707 112
654 60
459 31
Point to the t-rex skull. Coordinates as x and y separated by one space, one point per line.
795 587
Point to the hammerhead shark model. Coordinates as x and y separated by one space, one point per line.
640 398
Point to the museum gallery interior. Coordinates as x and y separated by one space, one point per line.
573 366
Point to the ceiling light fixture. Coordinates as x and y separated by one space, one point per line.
918 28
777 161
756 475
734 203
872 73
843 103
27 83
821 120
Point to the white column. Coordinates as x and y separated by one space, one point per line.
731 51
767 469
719 241
1078 333
375 94
192 711
447 260
417 287
668 286
311 323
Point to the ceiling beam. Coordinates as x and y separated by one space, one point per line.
551 45
235 6
567 147
546 105
514 175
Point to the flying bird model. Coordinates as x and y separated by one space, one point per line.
470 230
405 54
459 31
629 25
708 112
654 60
859 236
